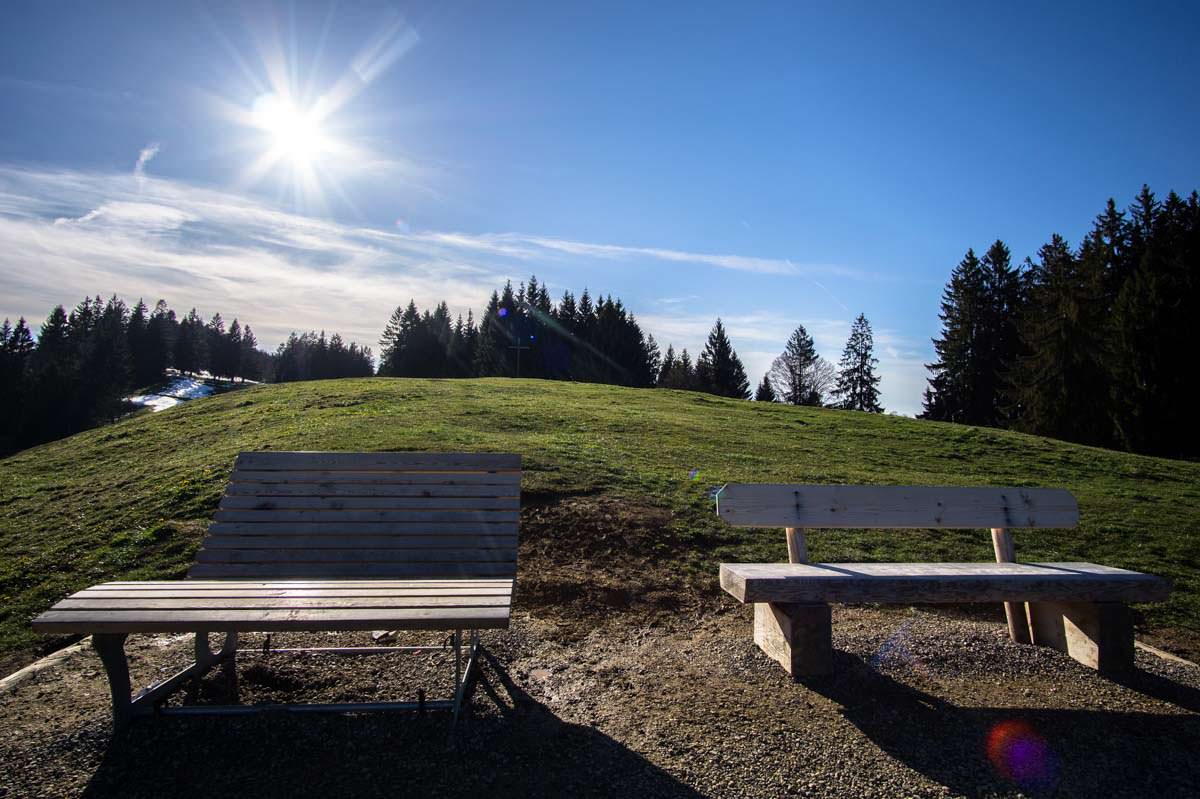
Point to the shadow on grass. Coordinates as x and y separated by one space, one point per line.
507 744
1042 752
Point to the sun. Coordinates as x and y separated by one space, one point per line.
293 134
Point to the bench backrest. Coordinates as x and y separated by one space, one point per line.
378 515
841 506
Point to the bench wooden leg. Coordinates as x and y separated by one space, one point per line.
799 636
1097 634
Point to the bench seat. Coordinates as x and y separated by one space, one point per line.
309 605
939 582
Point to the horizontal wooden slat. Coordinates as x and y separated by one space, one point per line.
347 516
363 528
264 603
939 582
474 555
301 583
511 488
763 504
280 593
431 542
326 477
369 503
133 621
351 570
380 461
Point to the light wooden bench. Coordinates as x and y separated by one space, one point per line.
325 541
1078 608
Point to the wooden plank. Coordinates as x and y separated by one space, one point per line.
347 541
267 593
327 477
224 584
369 503
102 606
363 528
511 488
390 570
381 461
348 516
938 582
251 620
778 505
475 555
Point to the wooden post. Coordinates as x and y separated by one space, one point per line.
797 635
1006 552
1097 634
796 544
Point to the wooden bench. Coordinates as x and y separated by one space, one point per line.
325 541
1078 608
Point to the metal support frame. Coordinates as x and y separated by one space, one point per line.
111 649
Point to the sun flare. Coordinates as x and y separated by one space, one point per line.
294 134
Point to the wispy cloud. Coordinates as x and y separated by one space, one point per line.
67 234
139 169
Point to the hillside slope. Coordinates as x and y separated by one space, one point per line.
130 500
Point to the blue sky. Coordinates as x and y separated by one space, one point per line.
773 164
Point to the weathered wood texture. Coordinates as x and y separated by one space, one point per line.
1099 634
1014 612
781 505
938 582
798 636
382 515
334 541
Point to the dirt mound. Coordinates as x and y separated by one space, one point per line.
589 561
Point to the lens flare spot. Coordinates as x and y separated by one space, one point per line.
694 475
503 312
1021 755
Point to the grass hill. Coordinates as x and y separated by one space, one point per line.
131 500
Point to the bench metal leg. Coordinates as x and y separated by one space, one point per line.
799 636
111 649
1097 634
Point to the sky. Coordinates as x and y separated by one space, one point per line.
312 165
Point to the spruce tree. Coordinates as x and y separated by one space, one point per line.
857 384
799 376
765 393
719 370
1061 384
953 384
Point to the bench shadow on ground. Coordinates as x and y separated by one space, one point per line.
977 751
509 744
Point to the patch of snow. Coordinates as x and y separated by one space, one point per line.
180 389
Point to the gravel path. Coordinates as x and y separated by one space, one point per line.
924 704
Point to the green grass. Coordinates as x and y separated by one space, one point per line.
130 500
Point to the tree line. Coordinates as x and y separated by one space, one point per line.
523 332
83 364
1088 344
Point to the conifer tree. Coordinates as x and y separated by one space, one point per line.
1061 384
719 370
765 392
857 384
799 376
950 396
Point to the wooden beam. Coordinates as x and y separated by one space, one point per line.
798 636
1097 634
1006 552
796 544
843 506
